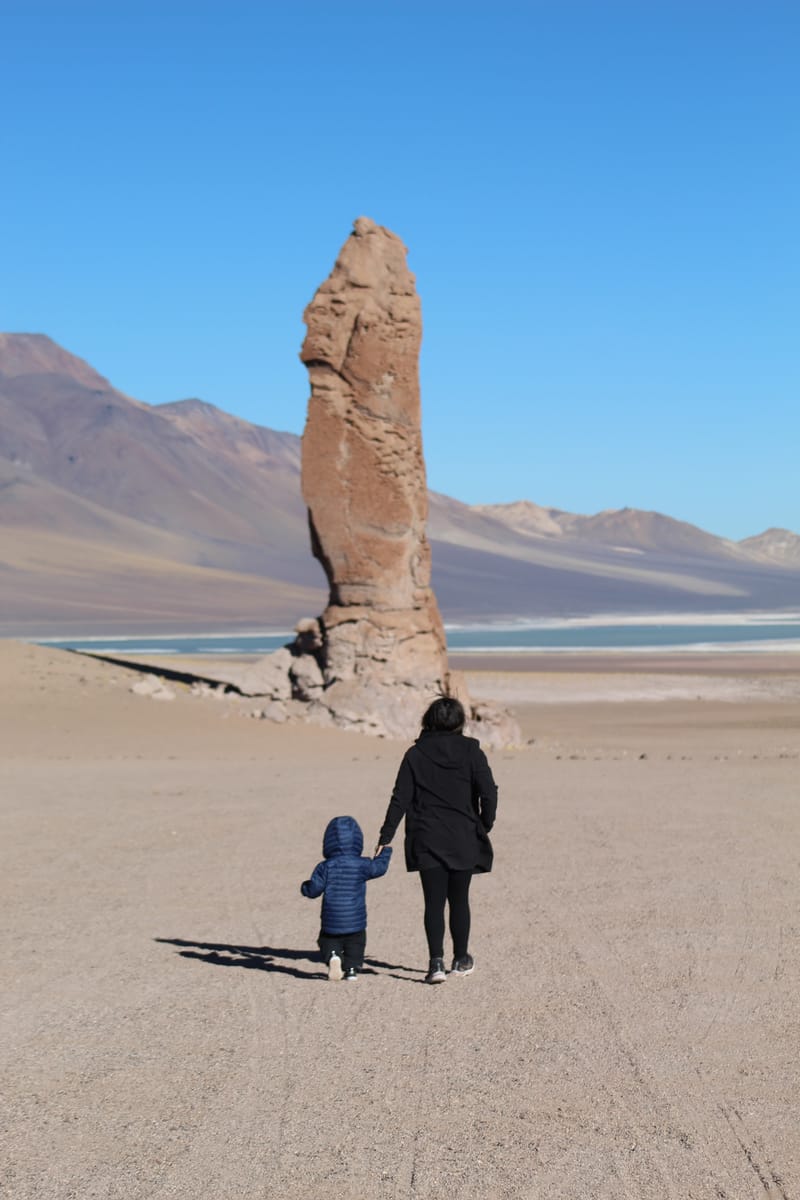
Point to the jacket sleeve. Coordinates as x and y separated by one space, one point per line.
486 787
375 867
402 796
315 886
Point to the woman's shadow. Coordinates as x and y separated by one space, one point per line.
268 958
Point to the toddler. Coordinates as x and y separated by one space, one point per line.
341 880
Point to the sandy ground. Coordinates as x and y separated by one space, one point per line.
631 1029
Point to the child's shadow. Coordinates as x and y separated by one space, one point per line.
267 958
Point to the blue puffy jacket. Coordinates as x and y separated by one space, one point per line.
341 879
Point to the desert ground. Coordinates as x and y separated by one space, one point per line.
631 1028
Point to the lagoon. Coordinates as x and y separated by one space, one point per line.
762 632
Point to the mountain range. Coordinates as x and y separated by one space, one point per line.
118 516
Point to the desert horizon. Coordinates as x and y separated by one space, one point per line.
103 521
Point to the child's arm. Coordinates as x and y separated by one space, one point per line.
315 886
375 867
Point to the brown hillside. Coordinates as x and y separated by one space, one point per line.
123 514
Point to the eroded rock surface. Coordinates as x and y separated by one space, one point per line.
377 655
382 640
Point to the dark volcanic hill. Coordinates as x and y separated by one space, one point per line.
118 515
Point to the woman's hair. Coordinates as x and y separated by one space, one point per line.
445 715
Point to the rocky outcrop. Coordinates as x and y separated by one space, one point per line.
382 644
155 688
377 655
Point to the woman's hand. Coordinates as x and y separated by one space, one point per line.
378 849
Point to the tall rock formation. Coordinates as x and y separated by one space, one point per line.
363 479
377 655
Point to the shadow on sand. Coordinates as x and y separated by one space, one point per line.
268 958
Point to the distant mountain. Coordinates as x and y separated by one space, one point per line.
523 516
119 515
775 545
28 355
623 528
185 467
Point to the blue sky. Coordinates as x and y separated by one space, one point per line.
600 202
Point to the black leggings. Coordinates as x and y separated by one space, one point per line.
440 885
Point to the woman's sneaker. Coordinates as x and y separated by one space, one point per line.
436 971
463 966
351 973
334 968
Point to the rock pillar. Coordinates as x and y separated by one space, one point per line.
382 648
377 656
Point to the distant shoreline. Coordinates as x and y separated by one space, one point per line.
599 644
625 662
757 618
568 662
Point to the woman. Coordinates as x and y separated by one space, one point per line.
446 793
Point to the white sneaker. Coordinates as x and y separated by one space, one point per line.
436 971
335 968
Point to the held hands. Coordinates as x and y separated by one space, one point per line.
378 849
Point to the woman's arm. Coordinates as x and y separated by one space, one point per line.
487 788
402 796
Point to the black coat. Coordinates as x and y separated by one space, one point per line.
446 793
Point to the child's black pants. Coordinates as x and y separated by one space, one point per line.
439 885
349 946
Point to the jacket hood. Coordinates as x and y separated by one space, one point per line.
445 749
342 836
